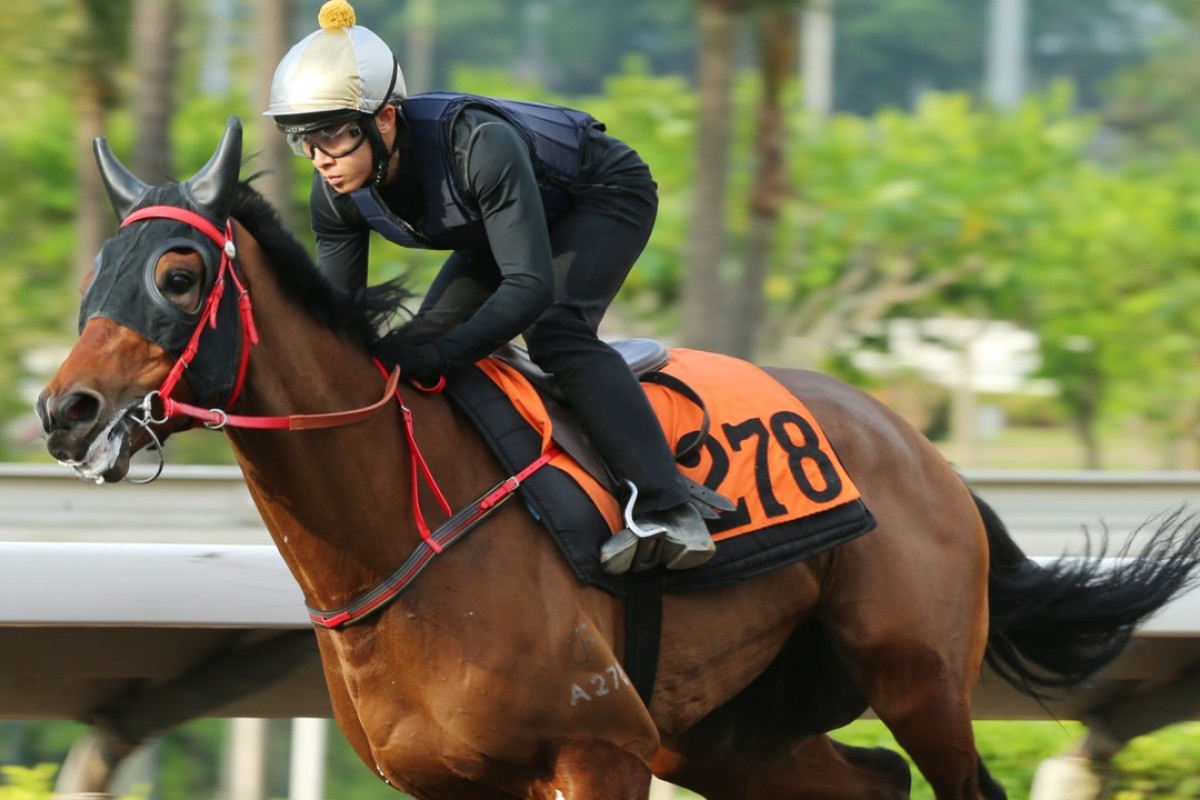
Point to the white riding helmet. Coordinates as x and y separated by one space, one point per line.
342 67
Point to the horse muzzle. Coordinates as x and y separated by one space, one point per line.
84 433
92 411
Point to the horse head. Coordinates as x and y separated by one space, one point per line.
155 286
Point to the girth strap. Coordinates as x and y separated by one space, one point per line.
643 631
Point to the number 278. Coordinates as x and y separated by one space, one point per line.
786 429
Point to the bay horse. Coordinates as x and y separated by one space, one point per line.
462 686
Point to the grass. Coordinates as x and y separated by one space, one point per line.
1161 766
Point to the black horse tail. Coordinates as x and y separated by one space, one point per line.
1054 625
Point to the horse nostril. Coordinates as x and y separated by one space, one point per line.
73 410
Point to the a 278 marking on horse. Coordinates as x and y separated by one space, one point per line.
600 685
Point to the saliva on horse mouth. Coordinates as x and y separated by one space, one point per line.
111 457
107 457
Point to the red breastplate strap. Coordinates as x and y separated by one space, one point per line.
432 542
448 533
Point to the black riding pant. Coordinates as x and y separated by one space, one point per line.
595 245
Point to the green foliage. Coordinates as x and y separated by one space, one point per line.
1162 766
189 759
36 212
27 783
187 762
947 188
888 50
37 783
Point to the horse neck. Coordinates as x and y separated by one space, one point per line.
335 501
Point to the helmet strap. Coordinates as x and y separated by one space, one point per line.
383 153
379 149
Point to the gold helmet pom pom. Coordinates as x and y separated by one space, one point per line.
336 14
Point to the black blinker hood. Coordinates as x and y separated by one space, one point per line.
123 288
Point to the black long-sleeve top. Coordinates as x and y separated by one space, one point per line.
494 171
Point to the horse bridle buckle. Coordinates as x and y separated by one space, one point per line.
148 409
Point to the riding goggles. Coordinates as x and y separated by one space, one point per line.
335 141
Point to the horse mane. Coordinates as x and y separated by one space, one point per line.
363 316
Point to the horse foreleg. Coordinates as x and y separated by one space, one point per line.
586 769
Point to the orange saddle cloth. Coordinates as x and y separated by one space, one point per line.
764 450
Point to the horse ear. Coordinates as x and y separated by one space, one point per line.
213 186
124 188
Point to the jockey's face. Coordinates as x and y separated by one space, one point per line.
351 168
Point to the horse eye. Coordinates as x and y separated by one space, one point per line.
177 282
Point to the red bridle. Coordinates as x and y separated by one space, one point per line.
224 242
217 418
432 542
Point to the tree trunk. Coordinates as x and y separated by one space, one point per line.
777 31
1089 415
705 323
155 23
272 40
418 59
93 217
1082 395
1085 429
94 63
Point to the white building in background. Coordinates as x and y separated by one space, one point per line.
984 356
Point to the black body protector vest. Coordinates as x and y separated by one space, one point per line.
554 135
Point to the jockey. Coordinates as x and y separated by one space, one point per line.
545 215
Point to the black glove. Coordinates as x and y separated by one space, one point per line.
423 364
